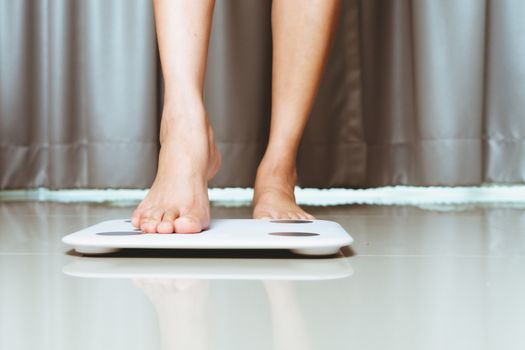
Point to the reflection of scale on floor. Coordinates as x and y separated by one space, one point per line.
290 269
306 237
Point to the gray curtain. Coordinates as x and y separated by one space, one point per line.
419 92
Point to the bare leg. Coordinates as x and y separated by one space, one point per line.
302 32
178 198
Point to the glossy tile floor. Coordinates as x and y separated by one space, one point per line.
434 278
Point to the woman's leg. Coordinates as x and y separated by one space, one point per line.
302 32
188 158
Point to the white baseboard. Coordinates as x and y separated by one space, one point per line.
395 195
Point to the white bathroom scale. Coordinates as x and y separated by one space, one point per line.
306 237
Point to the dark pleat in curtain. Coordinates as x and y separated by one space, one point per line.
444 89
78 94
415 92
238 87
505 92
423 80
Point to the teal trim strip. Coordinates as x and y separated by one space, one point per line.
397 195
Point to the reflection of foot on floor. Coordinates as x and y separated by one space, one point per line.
181 309
188 158
288 324
274 192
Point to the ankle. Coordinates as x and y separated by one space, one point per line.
184 109
188 118
187 97
279 159
180 104
275 169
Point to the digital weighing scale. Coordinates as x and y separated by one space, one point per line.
306 237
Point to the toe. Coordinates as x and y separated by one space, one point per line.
148 227
135 220
303 216
152 220
187 224
310 216
293 216
144 219
135 217
262 215
275 215
166 225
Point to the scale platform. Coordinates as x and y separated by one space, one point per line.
305 237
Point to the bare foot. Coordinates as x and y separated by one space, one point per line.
182 311
188 158
274 192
